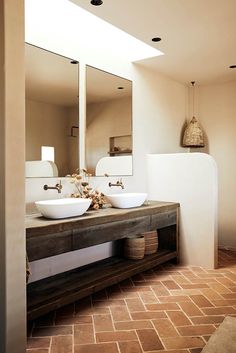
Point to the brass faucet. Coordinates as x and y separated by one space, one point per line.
118 183
57 187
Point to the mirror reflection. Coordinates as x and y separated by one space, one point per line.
108 123
52 146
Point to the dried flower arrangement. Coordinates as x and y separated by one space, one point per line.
81 181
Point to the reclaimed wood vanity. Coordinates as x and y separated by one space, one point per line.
46 238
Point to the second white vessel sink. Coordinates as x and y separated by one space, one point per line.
127 200
63 208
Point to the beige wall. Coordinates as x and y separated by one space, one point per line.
159 112
104 120
12 141
217 114
49 125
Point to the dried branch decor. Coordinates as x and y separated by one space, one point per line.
81 181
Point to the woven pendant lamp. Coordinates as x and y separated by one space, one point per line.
193 134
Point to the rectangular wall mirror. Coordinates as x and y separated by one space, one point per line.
108 123
52 113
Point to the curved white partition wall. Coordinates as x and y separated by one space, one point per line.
117 165
191 180
40 169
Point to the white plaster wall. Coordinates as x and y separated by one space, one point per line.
217 111
159 113
65 262
191 180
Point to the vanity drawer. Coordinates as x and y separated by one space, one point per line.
164 219
103 233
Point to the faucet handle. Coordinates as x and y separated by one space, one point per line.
59 186
121 184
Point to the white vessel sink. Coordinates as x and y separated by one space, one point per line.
63 208
126 200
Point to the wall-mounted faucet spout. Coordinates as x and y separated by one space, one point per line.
118 183
57 187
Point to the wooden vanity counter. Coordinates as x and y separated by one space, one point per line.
45 238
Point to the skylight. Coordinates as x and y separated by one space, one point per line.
64 19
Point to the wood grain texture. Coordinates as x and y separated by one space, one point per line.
56 291
38 225
48 238
45 238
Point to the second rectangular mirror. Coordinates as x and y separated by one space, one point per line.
108 123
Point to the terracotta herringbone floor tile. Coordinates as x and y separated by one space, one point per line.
103 323
129 347
171 309
183 342
39 342
61 344
120 313
150 340
178 318
96 348
135 305
74 320
190 309
174 299
43 350
148 297
52 331
83 334
148 315
165 328
196 330
224 310
162 307
133 325
201 301
203 320
116 336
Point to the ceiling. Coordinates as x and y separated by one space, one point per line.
198 36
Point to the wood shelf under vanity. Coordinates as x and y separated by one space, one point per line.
52 237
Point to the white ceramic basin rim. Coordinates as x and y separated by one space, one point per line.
63 208
127 200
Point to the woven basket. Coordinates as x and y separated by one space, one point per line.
134 247
151 242
193 134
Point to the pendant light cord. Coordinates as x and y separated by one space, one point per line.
193 83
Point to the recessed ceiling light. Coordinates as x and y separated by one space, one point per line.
232 67
156 39
74 62
96 2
